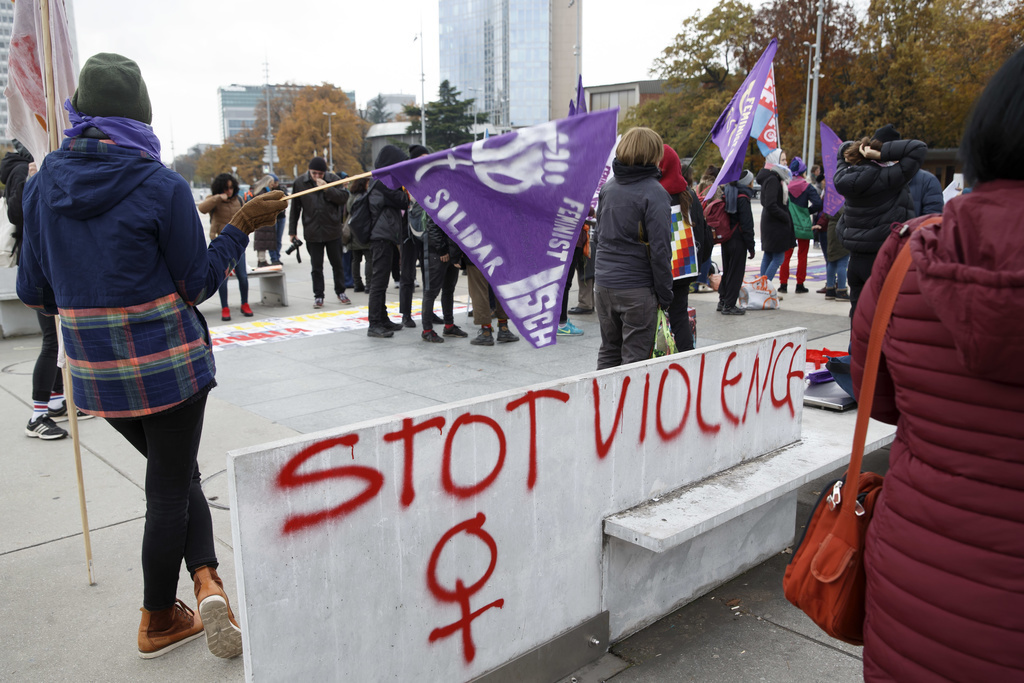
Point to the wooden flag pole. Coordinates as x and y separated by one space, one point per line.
52 129
343 181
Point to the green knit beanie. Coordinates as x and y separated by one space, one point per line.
112 85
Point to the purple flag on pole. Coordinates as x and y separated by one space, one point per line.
830 144
733 127
514 204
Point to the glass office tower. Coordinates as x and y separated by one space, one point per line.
510 55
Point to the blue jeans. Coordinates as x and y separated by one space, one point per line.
275 254
243 285
346 268
770 263
835 273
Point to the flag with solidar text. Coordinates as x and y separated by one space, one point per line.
515 203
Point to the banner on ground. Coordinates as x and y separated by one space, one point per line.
830 144
684 247
515 203
733 126
766 121
26 91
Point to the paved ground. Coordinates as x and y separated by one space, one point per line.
55 627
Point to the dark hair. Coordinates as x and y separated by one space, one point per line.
687 173
993 139
359 186
220 184
852 153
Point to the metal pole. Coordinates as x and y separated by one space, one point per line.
423 92
578 47
270 134
330 140
814 95
807 99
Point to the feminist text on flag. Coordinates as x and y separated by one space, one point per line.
514 204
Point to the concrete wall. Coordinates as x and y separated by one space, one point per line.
440 544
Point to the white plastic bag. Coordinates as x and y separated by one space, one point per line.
759 294
8 259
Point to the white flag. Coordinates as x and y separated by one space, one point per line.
26 92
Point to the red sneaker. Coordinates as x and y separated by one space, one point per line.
225 314
246 311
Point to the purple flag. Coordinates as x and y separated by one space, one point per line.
733 127
830 144
581 97
515 204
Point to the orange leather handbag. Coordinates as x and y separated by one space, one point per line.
826 577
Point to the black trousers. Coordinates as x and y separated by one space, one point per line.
678 317
410 252
358 256
857 274
178 522
563 318
316 263
443 278
382 252
46 376
734 262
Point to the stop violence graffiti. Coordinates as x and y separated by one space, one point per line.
704 404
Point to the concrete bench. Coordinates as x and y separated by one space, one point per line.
273 286
673 549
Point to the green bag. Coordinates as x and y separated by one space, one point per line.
801 221
664 342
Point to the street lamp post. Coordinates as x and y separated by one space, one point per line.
330 140
807 98
814 93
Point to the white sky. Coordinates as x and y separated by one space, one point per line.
188 48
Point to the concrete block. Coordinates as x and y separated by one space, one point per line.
641 586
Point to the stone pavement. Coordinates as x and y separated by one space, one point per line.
55 627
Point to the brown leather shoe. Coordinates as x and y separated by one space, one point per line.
223 636
163 630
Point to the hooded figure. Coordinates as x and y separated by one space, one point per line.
776 224
113 243
388 229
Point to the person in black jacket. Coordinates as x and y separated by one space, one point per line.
873 175
777 236
47 381
324 213
388 230
737 205
412 250
442 270
633 270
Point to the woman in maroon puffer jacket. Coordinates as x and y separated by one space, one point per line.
945 549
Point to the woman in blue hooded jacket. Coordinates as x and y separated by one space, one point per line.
114 245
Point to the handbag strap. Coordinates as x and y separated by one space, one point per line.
879 325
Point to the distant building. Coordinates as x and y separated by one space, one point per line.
390 133
516 58
622 95
238 104
395 104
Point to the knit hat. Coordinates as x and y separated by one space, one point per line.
886 134
797 166
417 151
318 164
112 85
746 180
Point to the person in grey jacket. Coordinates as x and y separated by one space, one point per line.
872 175
389 229
322 216
633 269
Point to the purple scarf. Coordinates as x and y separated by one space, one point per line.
123 131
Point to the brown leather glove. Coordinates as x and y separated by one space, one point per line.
260 211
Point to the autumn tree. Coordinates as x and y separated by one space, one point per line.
449 119
243 151
303 130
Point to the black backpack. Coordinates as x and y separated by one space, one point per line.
360 221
